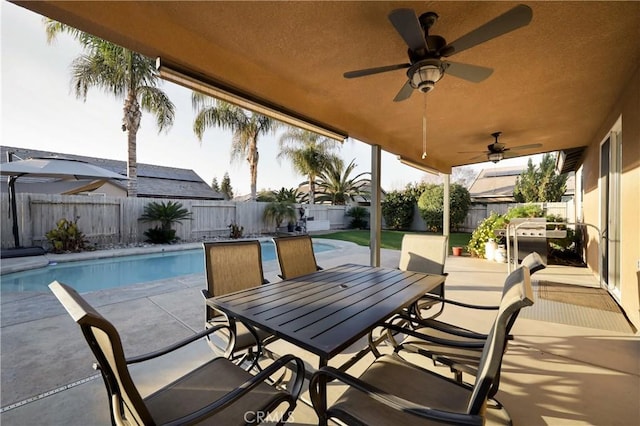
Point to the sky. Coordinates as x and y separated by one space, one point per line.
38 110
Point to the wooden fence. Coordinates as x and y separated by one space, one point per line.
108 221
114 220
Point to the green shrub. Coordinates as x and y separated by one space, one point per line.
397 210
526 210
159 235
66 237
359 215
235 231
484 232
486 229
431 206
167 214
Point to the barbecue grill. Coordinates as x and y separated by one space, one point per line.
532 235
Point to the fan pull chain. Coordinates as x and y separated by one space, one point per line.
424 129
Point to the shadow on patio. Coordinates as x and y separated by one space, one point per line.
556 371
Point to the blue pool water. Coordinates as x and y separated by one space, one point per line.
99 274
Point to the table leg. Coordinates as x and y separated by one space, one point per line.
322 391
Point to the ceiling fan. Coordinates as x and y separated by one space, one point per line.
497 151
425 67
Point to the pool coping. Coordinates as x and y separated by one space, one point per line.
11 265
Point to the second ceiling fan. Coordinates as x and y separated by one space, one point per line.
425 66
497 151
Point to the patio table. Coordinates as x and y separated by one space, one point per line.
327 311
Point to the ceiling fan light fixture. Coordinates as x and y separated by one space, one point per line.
424 75
495 156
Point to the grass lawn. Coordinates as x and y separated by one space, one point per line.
390 239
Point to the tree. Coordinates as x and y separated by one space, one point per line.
247 127
464 175
431 206
540 183
214 184
397 209
226 188
283 194
279 211
125 74
309 153
336 184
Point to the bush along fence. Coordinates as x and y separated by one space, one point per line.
115 221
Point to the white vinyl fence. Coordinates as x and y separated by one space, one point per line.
478 212
109 221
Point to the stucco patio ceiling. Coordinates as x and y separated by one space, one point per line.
555 80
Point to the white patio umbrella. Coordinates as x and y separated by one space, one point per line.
52 167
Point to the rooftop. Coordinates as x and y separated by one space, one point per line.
153 180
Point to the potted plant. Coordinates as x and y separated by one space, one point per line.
457 251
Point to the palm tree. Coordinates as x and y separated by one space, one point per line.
246 126
278 212
336 185
127 75
309 153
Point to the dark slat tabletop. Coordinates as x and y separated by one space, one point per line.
328 310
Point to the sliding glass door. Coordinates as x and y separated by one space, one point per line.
609 184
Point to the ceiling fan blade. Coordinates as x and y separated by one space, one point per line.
406 23
474 73
471 152
376 70
511 20
404 93
478 157
533 145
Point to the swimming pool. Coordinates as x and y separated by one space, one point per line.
100 274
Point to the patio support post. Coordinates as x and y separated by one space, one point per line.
446 204
375 211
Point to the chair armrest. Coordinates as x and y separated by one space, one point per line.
246 387
433 339
458 303
206 294
184 342
442 326
385 398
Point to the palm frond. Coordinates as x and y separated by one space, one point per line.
158 103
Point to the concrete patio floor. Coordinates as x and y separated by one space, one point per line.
554 373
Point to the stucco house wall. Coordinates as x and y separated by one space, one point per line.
628 108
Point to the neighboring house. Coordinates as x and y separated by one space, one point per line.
153 181
496 184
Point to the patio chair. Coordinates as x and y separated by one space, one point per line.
295 256
533 261
395 391
456 347
425 253
233 266
218 392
